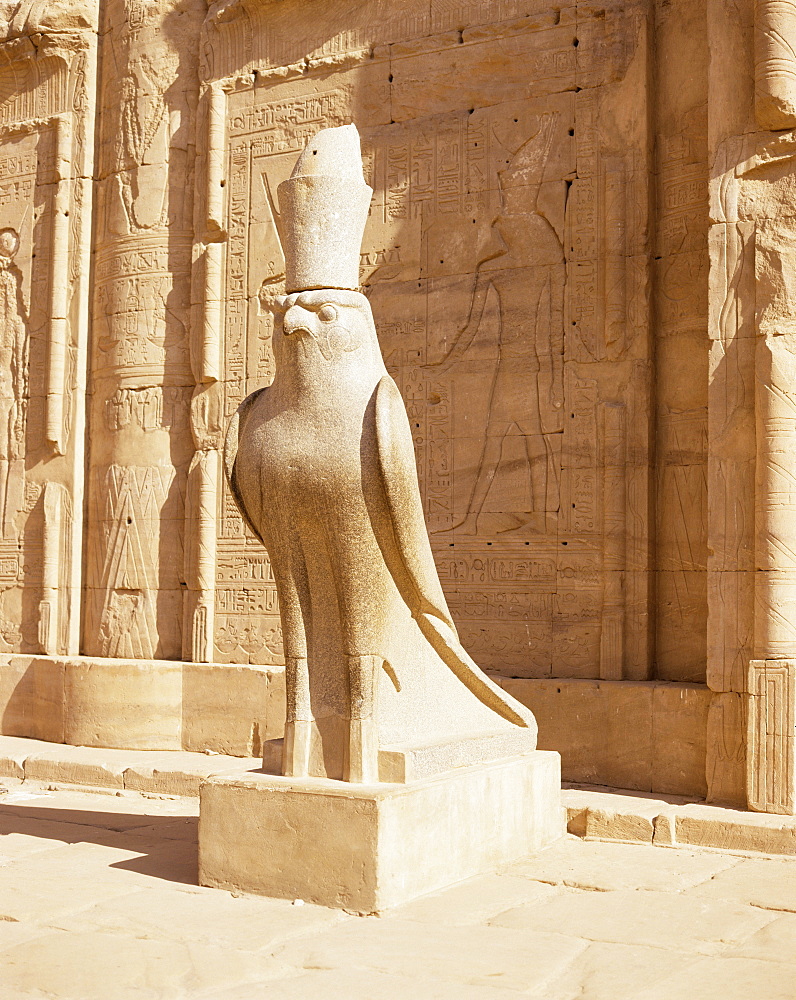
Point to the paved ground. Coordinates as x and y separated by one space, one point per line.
98 902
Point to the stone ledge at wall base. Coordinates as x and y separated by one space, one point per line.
611 814
645 735
648 735
142 704
37 764
367 848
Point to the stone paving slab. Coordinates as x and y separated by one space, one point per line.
98 901
479 955
725 978
657 919
590 865
764 882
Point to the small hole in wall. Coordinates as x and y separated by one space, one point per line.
575 43
129 520
572 131
222 183
516 120
527 543
315 152
565 543
452 544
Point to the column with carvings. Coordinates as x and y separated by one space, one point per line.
140 374
47 104
752 622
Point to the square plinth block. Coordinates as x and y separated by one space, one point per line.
366 848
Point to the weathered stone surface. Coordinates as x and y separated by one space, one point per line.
136 704
642 735
658 919
579 257
605 867
115 883
370 847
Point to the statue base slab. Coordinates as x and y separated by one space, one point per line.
412 763
367 848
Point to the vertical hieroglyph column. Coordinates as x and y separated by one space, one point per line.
141 378
612 633
775 64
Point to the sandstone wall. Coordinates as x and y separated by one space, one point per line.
578 256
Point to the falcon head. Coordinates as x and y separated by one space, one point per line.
331 321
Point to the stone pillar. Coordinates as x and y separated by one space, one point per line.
752 622
141 378
775 64
47 106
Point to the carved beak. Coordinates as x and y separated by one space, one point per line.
295 321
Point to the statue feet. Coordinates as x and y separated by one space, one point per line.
362 758
299 721
296 748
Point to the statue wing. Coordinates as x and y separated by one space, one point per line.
407 552
236 427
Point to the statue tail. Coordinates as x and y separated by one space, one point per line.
446 645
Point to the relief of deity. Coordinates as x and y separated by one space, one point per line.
525 283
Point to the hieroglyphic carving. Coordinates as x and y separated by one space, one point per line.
775 579
59 287
771 741
46 168
14 355
56 542
526 283
133 576
141 369
614 461
442 173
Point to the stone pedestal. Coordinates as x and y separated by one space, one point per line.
366 848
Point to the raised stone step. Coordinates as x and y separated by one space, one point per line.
668 821
164 772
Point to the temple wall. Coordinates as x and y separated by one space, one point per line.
578 258
507 262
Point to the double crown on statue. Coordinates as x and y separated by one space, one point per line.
324 207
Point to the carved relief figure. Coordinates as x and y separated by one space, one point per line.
322 466
133 499
13 372
525 281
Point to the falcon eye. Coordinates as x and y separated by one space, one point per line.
327 314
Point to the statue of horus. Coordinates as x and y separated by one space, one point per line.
322 466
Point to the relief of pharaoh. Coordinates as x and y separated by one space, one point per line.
321 464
